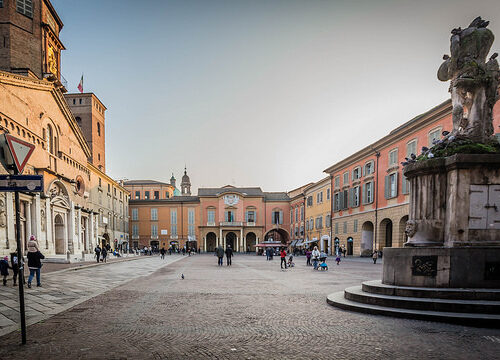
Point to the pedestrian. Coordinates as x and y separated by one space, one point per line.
33 244
188 250
343 249
4 269
315 257
229 255
108 248
162 253
337 259
170 250
34 265
150 250
268 255
283 257
375 256
220 255
104 254
14 266
97 251
308 257
184 250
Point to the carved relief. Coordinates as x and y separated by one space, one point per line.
3 216
411 228
424 265
42 219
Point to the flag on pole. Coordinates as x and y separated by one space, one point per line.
80 85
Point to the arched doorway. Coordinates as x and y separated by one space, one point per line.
230 239
336 243
402 238
325 244
280 235
251 240
211 241
59 233
350 246
105 239
385 233
367 236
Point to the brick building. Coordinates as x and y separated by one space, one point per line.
370 193
68 217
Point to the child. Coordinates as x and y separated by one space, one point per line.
337 259
15 267
4 269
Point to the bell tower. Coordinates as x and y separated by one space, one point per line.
185 184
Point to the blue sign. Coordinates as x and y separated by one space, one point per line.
27 183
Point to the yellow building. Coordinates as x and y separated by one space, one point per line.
318 215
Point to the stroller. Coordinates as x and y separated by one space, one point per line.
322 265
290 262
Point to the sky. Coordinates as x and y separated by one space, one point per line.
256 93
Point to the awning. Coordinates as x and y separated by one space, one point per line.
293 242
299 242
310 241
270 244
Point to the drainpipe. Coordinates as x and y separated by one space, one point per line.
377 154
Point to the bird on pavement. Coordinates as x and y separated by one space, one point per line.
182 276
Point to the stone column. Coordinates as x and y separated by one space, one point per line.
70 230
205 244
36 217
224 241
79 227
48 225
241 239
219 241
27 211
90 231
11 220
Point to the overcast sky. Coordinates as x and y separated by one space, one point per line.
256 93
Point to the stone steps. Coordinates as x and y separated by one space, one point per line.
376 287
339 300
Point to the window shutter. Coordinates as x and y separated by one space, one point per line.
397 183
246 216
387 190
281 217
404 188
341 200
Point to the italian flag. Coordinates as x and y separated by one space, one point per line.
80 85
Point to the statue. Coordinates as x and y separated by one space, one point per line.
474 81
3 217
42 219
411 228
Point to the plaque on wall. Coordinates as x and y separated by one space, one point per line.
424 265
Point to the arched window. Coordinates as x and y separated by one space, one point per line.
98 129
49 139
78 120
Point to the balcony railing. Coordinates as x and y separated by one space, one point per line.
231 223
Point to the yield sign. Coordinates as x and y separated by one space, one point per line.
19 150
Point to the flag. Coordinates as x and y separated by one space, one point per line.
80 85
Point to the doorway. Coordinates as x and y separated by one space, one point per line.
59 234
231 240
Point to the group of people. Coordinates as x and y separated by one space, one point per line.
219 252
34 264
101 254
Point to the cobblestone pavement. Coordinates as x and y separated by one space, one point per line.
62 290
251 310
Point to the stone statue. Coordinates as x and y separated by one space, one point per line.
42 219
474 81
3 216
411 228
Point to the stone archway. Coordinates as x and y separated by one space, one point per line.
59 234
350 246
385 231
251 240
211 242
277 234
231 240
367 236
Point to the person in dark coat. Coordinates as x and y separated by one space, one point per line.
229 255
14 266
220 255
104 254
162 253
4 269
97 251
35 264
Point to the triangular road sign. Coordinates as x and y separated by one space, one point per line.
20 151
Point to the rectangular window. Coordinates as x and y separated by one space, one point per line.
354 196
336 182
167 195
411 148
146 195
296 214
137 194
250 216
191 216
368 168
393 157
317 198
309 201
1 5
156 195
301 230
336 202
154 230
355 226
434 135
344 202
336 228
356 173
277 217
135 230
307 225
109 188
154 214
301 213
328 220
191 230
229 216
25 7
211 216
135 214
368 193
391 186
327 194
173 229
291 216
173 216
345 227
345 179
405 185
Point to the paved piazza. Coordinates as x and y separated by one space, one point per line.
251 310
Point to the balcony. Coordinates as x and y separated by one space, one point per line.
211 223
231 223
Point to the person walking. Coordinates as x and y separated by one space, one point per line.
268 254
343 249
170 250
375 256
14 266
34 265
337 259
220 255
4 269
33 244
229 255
315 257
162 253
308 257
97 251
283 257
104 254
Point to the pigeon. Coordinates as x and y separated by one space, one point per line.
444 133
404 163
430 155
413 156
407 159
451 138
182 276
425 148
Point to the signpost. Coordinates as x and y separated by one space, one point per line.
14 157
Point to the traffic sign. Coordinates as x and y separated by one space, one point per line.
27 183
19 151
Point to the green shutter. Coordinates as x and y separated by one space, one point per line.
387 189
404 187
397 184
281 217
